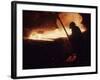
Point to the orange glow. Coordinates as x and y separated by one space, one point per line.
69 17
51 35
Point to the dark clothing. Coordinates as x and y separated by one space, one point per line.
76 33
76 40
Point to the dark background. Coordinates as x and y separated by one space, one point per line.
45 54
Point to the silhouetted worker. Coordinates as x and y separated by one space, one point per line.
76 39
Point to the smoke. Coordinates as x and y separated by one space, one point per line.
68 17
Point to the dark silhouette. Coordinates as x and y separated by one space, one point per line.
76 39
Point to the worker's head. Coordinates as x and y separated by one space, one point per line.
72 24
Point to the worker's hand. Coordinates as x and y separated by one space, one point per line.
71 58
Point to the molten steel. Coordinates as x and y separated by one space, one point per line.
59 32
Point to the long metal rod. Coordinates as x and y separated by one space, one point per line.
66 33
63 27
